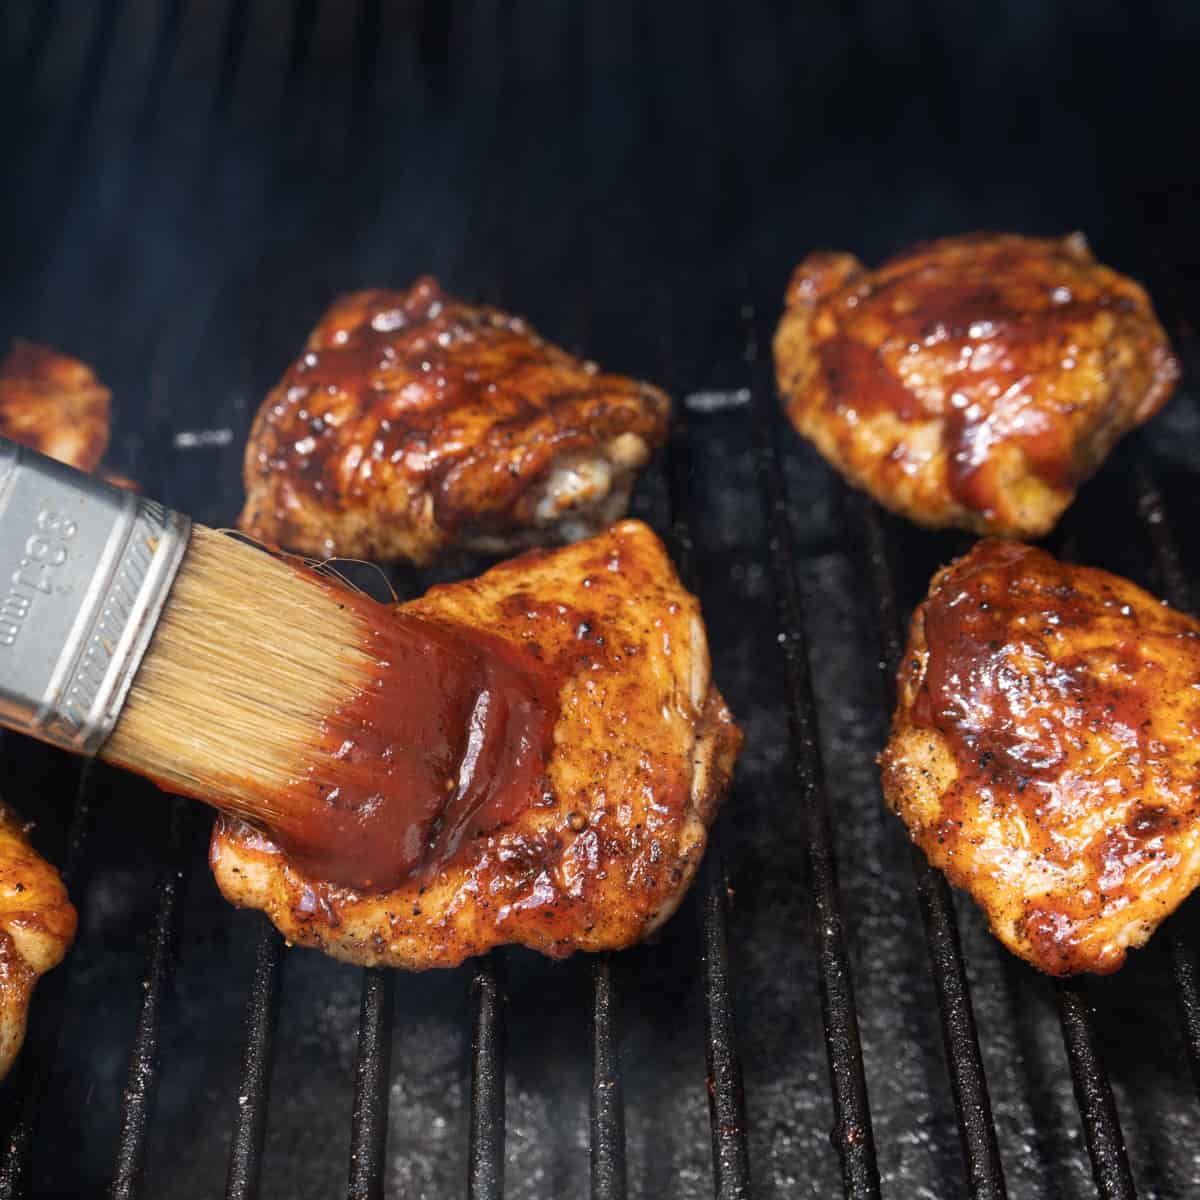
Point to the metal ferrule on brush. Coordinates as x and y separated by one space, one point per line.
85 569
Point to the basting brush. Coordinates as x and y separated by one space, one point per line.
366 742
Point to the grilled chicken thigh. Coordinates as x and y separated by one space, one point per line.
37 927
973 381
414 422
1045 752
642 752
54 404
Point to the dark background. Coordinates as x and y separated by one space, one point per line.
189 184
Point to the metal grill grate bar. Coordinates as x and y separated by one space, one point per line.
142 1081
1186 973
250 1122
372 1075
608 1109
485 1180
968 1081
726 1101
852 1133
1178 594
1101 1125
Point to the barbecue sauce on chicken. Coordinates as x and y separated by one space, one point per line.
357 370
415 390
984 332
1051 690
1003 685
449 740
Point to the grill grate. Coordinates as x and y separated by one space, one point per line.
852 1133
64 151
144 1058
726 1103
486 1153
368 1123
1178 594
608 1104
1101 1125
250 1121
972 1105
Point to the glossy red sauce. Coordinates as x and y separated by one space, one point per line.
418 358
412 334
1017 705
859 379
984 334
465 399
1068 699
449 740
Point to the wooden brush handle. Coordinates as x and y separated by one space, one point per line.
84 571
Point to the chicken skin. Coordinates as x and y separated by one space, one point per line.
37 927
1045 752
642 751
414 423
973 381
55 405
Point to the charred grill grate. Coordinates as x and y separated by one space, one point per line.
100 155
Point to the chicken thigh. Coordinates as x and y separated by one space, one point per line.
1045 752
37 927
54 404
974 381
642 751
414 423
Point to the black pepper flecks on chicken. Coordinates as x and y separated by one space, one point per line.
643 747
1045 752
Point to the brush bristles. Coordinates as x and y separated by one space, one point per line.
250 656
